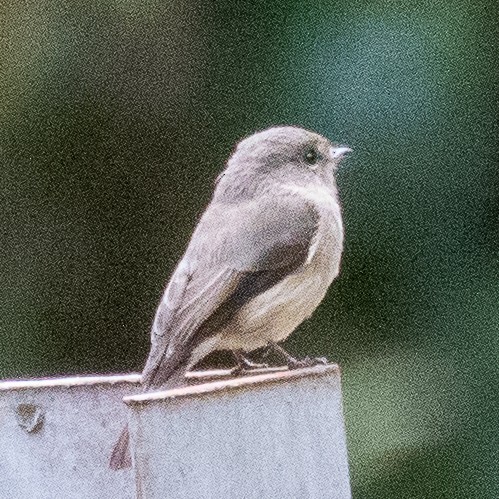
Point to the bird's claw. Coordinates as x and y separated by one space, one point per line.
241 370
306 362
245 366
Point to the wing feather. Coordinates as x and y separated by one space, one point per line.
235 253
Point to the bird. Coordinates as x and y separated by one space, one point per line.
259 261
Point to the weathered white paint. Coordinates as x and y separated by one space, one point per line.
277 435
56 436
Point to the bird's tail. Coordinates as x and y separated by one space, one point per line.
121 457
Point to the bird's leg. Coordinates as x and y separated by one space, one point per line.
245 365
294 363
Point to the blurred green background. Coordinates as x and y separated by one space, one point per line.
115 118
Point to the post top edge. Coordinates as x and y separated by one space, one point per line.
71 381
272 376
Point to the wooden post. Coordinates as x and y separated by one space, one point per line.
276 435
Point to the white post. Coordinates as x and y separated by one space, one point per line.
276 435
56 436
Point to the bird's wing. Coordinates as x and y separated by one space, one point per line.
235 253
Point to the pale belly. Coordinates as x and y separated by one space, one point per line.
273 315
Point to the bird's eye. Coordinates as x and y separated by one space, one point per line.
311 156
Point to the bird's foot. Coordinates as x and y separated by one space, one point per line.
294 363
244 365
306 362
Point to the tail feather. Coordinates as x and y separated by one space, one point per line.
120 457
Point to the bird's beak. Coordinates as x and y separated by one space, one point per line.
338 152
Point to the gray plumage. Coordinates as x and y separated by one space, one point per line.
260 260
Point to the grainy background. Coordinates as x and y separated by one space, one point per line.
115 118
